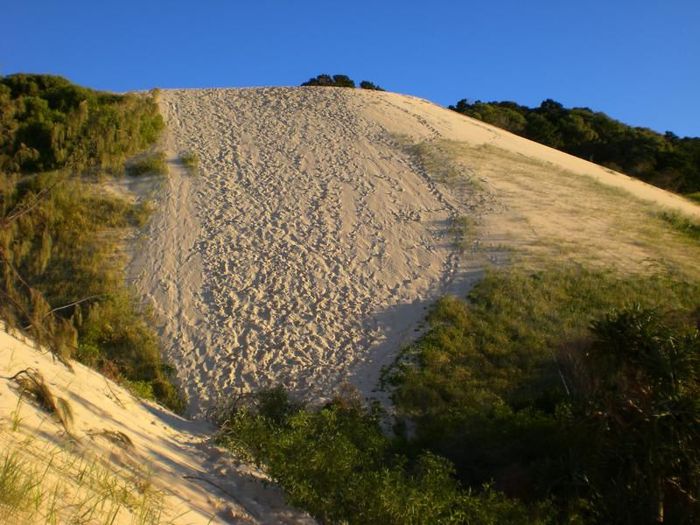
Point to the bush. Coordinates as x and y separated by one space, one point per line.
366 84
494 384
639 385
152 164
328 81
49 123
336 463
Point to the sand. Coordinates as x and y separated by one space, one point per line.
173 470
310 244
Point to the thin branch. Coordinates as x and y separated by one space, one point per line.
13 216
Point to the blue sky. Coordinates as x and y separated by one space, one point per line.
638 61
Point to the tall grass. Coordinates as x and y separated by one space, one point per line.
150 164
61 234
68 488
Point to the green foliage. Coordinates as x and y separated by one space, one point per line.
47 123
639 383
666 161
340 81
494 385
336 463
330 81
366 84
682 224
151 164
694 196
61 276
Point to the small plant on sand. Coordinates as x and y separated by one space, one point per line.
190 160
153 164
682 224
17 486
462 228
31 382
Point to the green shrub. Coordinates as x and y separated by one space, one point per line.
366 84
682 224
336 463
48 123
667 161
60 233
491 385
328 81
190 160
152 164
639 385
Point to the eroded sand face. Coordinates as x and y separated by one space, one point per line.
310 244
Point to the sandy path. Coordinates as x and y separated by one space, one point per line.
320 243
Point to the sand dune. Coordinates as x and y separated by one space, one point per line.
168 472
308 247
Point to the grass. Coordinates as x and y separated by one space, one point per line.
485 385
32 383
695 197
55 486
190 160
682 224
18 486
436 159
77 253
463 231
151 164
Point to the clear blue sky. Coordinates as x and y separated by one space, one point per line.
638 61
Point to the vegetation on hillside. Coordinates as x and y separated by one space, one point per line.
60 261
340 81
570 394
667 161
337 463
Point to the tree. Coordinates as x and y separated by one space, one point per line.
328 81
641 418
366 84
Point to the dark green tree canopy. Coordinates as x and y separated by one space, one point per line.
330 81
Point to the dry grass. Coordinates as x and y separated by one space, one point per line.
39 485
32 383
549 215
115 436
190 160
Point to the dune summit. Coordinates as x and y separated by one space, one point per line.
323 222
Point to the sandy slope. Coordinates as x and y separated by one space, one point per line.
310 244
172 465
